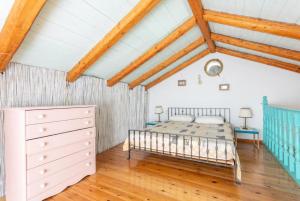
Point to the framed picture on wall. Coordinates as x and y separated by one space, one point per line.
224 87
181 83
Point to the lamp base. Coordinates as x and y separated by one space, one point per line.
158 118
245 124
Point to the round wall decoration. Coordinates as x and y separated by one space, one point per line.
213 67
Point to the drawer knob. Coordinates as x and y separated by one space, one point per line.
43 144
43 130
41 116
44 185
43 158
88 153
90 132
87 143
88 164
88 112
44 171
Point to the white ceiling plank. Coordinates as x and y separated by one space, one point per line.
176 46
5 6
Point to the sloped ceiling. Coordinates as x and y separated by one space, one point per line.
66 30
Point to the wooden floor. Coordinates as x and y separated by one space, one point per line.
150 177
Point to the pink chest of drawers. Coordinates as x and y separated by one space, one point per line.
47 149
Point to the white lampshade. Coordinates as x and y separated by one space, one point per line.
159 109
245 113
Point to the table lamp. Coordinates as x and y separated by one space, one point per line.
245 113
159 110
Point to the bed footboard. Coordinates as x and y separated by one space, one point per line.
216 151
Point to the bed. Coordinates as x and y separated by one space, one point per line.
202 142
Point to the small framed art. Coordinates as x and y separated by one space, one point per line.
181 83
224 87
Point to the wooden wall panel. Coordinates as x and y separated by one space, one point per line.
23 85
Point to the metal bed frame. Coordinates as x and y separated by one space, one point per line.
197 112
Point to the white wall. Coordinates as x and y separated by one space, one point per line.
249 82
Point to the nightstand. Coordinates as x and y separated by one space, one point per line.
151 123
251 131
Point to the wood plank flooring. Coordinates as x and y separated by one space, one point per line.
149 177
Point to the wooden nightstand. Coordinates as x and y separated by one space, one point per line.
251 131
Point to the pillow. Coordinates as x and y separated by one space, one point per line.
210 120
185 118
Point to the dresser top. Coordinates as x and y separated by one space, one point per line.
47 107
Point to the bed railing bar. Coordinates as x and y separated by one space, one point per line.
163 143
139 140
156 141
235 165
145 136
216 150
134 139
170 143
176 144
129 148
150 141
183 146
191 147
226 152
199 147
207 150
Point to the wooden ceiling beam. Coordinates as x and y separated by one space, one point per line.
18 23
197 10
181 30
277 51
177 69
167 62
259 59
254 24
112 37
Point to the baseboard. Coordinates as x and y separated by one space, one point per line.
247 141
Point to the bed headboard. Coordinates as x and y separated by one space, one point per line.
197 112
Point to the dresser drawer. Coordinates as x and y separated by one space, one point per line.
49 156
43 116
47 183
40 130
51 168
46 143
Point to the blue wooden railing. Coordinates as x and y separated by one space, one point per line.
281 135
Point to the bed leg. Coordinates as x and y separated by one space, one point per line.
235 174
128 158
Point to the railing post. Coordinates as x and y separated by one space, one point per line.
272 130
297 146
291 143
286 140
276 133
281 134
265 121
